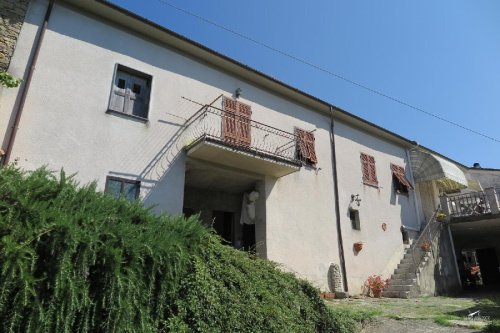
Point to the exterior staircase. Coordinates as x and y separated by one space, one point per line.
404 283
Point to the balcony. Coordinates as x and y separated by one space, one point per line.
234 140
472 206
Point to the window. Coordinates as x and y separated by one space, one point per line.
305 146
354 217
120 187
130 92
368 169
401 183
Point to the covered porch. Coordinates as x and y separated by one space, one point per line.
220 195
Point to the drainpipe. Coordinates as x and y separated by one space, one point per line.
337 201
24 92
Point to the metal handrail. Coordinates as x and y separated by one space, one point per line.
263 140
427 234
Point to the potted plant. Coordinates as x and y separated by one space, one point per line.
376 284
358 246
425 246
440 217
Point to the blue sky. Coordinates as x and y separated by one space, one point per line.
439 56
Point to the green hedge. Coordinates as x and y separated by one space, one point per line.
76 260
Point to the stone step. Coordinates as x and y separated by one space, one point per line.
403 276
406 265
398 282
396 294
405 270
407 287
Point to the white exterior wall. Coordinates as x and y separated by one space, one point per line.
18 65
382 250
64 124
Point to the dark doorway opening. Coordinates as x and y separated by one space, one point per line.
223 225
489 265
248 237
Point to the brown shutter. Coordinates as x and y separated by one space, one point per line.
305 145
399 173
243 132
369 171
229 132
309 143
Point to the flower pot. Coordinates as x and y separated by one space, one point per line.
358 246
440 219
377 293
327 295
425 247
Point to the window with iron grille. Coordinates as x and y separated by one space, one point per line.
130 92
305 150
121 187
401 183
368 169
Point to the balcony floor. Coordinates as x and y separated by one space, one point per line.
242 158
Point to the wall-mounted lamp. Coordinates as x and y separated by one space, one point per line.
355 197
238 92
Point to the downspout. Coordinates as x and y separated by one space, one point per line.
24 92
337 202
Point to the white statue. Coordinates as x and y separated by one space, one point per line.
248 208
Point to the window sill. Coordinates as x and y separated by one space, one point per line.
403 193
127 115
371 184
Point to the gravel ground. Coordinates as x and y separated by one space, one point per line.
388 325
418 315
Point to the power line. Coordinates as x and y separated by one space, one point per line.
338 76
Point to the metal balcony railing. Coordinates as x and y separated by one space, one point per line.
240 133
471 204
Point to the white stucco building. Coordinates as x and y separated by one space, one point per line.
150 114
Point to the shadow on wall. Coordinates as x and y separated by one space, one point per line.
445 274
165 58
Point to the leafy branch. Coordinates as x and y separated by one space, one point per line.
7 80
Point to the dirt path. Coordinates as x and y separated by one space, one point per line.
388 325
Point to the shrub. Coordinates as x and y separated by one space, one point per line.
76 260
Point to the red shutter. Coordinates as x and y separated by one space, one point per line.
243 132
306 148
229 132
399 173
236 122
369 171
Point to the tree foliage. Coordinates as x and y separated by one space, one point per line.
76 260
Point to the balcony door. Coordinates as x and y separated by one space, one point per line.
236 123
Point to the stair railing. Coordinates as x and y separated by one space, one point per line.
426 236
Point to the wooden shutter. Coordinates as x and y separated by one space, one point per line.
244 112
119 93
368 169
305 146
229 132
137 97
399 173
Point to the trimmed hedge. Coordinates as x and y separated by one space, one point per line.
76 260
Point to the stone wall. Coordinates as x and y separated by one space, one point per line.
439 275
12 14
